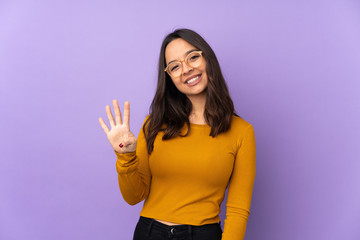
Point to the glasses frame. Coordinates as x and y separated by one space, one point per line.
181 62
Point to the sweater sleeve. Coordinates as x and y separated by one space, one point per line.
134 174
240 188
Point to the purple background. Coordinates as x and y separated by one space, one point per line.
293 69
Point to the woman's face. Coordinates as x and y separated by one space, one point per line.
192 81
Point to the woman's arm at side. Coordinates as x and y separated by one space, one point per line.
241 188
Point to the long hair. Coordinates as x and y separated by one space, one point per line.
172 108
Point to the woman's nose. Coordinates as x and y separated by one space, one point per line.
186 68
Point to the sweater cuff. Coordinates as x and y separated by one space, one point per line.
126 162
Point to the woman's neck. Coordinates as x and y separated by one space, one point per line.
198 108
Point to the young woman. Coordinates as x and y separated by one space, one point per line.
190 148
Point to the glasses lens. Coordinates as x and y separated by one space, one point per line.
174 69
193 59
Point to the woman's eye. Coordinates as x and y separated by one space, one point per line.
174 68
193 58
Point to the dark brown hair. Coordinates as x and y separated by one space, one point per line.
172 108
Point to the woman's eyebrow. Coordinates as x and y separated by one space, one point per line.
184 55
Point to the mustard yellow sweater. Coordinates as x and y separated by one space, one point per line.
184 179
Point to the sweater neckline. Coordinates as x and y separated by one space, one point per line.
195 125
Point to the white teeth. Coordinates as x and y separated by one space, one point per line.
193 79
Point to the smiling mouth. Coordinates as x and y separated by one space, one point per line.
193 79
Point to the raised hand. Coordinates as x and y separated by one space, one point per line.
120 136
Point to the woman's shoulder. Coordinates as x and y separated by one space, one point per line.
240 129
146 118
239 123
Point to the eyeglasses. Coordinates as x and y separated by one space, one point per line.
193 60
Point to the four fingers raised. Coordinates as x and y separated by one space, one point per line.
119 135
117 116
